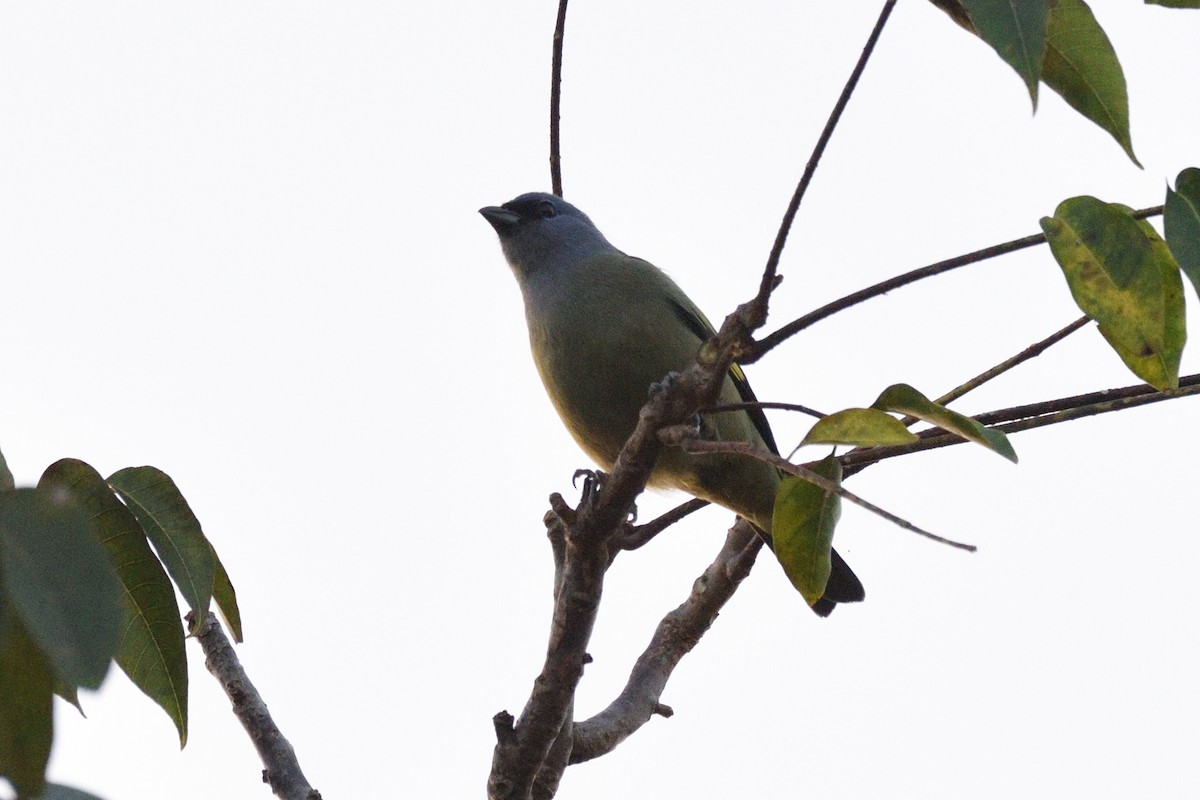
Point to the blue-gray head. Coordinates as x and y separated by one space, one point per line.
539 231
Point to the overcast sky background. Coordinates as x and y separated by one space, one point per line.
239 242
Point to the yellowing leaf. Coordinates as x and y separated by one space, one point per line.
904 399
1122 276
861 427
802 529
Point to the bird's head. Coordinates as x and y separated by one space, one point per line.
540 231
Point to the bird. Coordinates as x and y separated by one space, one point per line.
604 327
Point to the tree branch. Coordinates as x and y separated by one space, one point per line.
769 342
556 99
1033 351
523 748
789 216
1028 417
282 769
676 635
634 536
691 444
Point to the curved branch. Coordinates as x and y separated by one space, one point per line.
676 635
789 216
767 343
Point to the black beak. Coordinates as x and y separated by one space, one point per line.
500 218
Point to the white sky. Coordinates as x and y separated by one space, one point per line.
239 242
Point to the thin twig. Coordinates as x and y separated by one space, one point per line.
1078 401
635 536
282 768
789 216
556 99
883 287
758 404
1034 415
1033 351
690 444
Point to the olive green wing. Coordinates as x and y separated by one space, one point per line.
697 324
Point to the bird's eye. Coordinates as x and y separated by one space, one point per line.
546 210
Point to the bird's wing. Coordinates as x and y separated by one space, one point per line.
697 324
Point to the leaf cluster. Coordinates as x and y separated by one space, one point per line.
89 568
1121 274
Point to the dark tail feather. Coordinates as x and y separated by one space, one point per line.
843 587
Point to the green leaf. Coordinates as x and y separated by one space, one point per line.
26 711
6 477
173 529
955 10
1181 220
862 427
904 399
1124 278
71 695
1082 66
1017 32
1174 3
60 583
226 598
802 529
151 651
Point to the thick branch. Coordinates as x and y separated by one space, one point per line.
282 769
522 749
676 635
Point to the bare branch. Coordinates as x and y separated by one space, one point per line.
684 438
1033 351
556 99
676 635
789 216
1028 417
758 404
883 287
282 769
